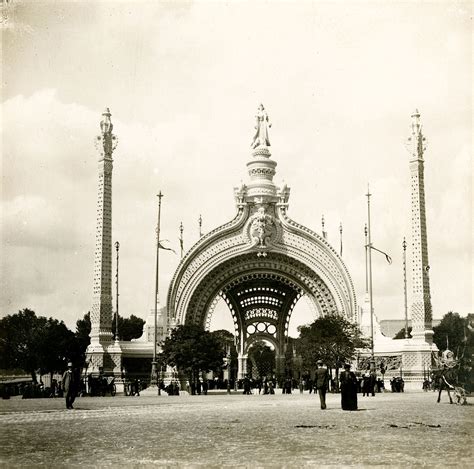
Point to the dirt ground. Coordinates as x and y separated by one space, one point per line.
395 430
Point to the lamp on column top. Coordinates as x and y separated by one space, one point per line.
106 142
106 125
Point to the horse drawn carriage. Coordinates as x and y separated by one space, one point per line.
446 377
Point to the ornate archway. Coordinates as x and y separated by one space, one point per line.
260 263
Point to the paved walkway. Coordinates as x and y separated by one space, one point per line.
237 431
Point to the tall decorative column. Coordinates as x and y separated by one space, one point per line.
421 311
416 352
101 314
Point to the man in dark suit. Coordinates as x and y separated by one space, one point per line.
322 380
69 385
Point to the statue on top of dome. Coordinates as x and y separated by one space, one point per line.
261 135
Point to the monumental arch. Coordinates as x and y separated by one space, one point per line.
260 263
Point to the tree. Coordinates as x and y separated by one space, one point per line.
457 334
452 333
401 333
83 330
193 350
128 328
226 340
330 338
263 357
225 337
32 343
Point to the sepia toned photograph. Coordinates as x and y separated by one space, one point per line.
236 234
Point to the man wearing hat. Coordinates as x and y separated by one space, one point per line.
322 381
69 386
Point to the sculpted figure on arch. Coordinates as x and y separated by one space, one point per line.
261 134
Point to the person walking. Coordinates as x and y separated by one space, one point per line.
348 382
366 384
69 386
321 381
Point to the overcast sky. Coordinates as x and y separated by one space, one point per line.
183 81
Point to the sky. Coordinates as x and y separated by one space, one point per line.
183 81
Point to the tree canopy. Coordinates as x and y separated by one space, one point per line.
262 357
330 338
38 344
457 334
128 328
34 343
453 333
193 350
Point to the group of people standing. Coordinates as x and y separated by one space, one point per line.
348 386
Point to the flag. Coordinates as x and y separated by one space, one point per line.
160 245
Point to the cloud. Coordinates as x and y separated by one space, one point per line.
183 84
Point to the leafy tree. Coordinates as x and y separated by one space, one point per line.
34 343
453 333
56 346
401 333
457 334
330 338
128 328
263 357
83 330
193 350
226 339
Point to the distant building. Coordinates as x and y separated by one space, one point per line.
390 327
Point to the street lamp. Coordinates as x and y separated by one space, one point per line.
117 246
404 245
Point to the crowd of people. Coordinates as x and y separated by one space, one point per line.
349 384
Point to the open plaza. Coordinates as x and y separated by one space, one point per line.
218 430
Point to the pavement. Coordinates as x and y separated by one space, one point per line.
389 430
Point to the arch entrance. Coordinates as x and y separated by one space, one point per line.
260 294
261 263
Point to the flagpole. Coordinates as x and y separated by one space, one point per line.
369 255
366 262
200 226
154 368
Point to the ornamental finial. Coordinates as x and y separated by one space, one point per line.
106 142
416 143
106 125
261 135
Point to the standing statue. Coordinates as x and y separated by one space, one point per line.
261 134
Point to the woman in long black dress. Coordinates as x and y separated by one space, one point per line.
348 382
